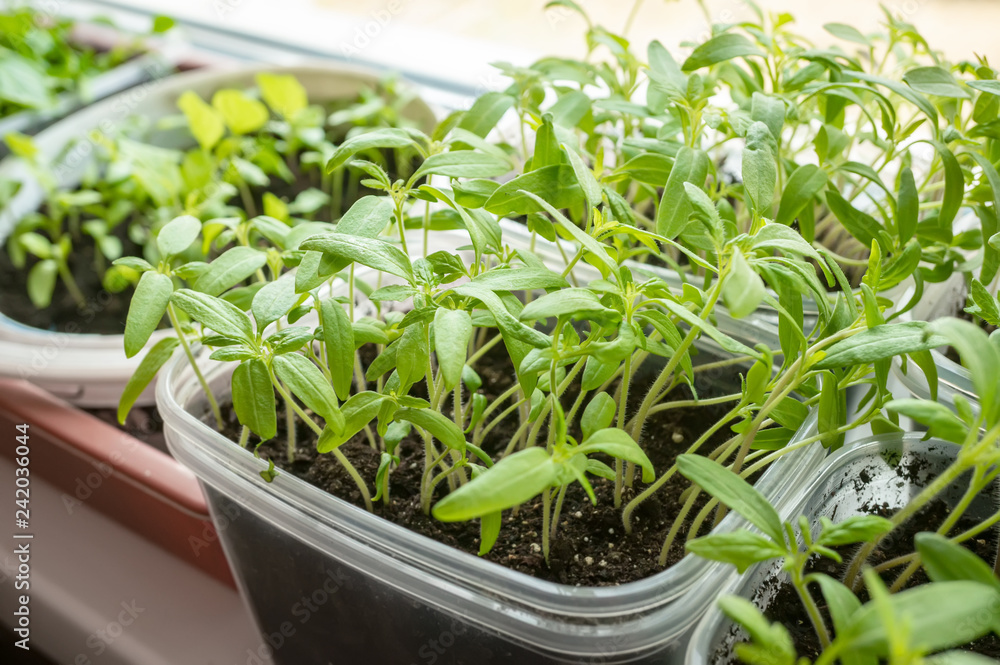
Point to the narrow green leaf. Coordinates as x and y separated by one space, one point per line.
513 480
452 332
253 398
734 492
620 445
338 336
214 313
437 424
150 364
146 310
720 48
229 269
376 254
308 383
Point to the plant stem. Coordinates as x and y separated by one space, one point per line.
344 462
558 510
814 614
622 406
212 403
546 504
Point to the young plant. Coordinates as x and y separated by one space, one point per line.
903 627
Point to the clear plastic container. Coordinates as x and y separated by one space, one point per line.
838 492
91 370
397 593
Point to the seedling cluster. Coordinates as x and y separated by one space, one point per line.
354 273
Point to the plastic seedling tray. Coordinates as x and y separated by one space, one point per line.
382 593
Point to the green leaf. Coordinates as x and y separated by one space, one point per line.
847 33
205 122
253 398
986 306
133 263
307 382
149 304
242 114
618 444
452 332
979 356
842 604
940 616
486 113
805 183
290 339
585 177
229 269
378 138
725 341
338 337
854 529
831 413
42 282
556 183
214 313
274 300
177 235
412 354
282 93
577 303
734 492
934 81
740 548
23 82
358 411
859 224
941 421
151 363
908 209
879 343
672 215
376 254
743 289
771 642
720 48
598 415
513 480
947 561
463 164
437 424
759 170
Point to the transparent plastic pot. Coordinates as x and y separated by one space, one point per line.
870 473
91 370
390 595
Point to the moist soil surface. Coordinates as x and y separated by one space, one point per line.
104 312
786 607
590 548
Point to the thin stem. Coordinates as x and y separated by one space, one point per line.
212 403
344 462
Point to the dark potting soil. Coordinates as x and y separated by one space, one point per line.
591 548
786 607
143 423
104 313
